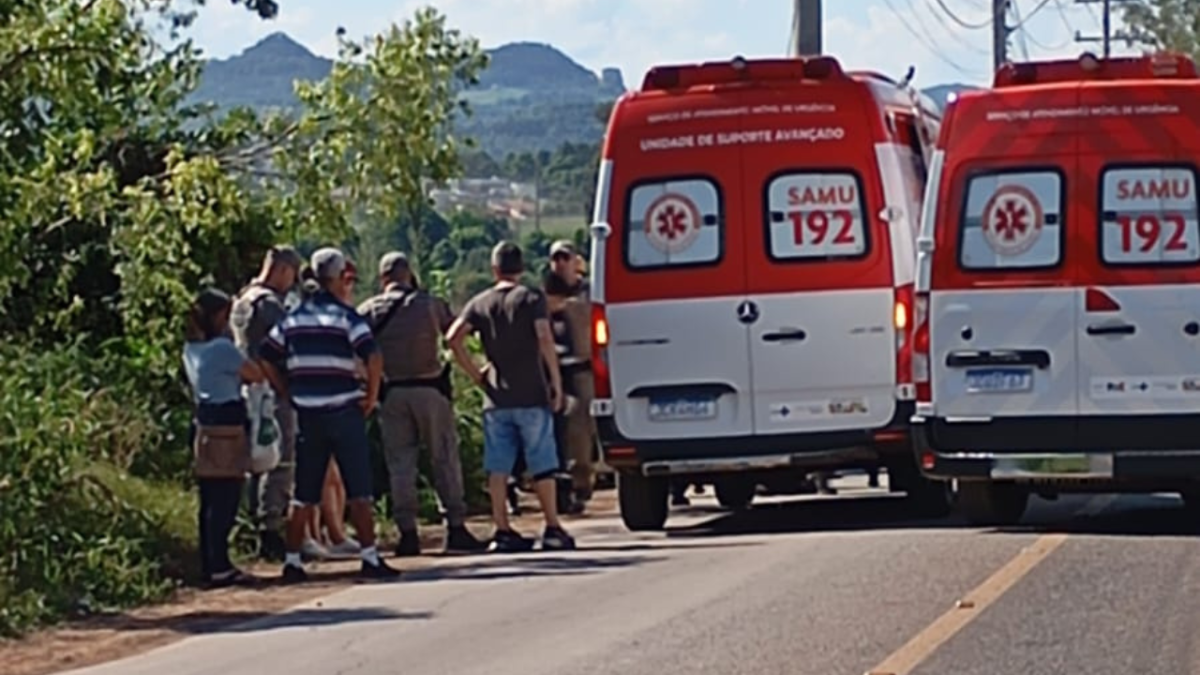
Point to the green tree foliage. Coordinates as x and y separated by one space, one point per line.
1167 24
379 128
118 201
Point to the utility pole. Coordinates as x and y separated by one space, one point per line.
1129 37
999 33
806 28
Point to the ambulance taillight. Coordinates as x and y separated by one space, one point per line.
600 352
901 314
920 350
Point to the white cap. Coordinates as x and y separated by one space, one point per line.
328 263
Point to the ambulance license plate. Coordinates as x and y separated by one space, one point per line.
680 409
999 380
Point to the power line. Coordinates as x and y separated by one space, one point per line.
933 50
1021 23
951 32
1027 34
955 18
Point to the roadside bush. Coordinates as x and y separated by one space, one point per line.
77 533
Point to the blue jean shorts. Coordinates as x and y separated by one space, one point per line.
509 431
340 433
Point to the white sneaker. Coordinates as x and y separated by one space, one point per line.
350 548
313 550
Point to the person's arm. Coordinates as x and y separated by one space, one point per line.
456 337
251 372
272 359
445 316
363 343
546 346
548 350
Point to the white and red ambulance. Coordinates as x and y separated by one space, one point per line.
1057 325
752 264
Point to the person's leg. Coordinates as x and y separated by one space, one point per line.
401 445
581 438
312 460
436 426
274 491
536 427
873 477
204 486
501 447
227 500
347 433
562 480
333 505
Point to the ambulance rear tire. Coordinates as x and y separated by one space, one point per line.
643 501
989 504
735 493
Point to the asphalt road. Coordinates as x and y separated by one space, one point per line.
1097 585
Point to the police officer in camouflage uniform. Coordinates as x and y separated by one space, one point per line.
416 404
565 262
256 310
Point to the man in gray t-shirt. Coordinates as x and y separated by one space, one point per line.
514 326
258 307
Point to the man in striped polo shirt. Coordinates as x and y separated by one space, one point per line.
310 358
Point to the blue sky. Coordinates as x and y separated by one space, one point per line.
885 35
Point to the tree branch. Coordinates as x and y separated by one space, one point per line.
9 67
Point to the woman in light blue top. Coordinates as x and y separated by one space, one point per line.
216 370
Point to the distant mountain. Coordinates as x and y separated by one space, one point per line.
531 97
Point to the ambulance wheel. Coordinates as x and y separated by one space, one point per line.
643 501
985 503
735 493
928 498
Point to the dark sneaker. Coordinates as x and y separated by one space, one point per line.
460 540
378 572
409 546
508 541
557 539
271 546
294 575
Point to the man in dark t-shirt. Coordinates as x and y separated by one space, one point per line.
519 404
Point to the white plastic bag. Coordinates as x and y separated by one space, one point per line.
265 434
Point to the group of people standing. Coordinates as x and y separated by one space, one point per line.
332 365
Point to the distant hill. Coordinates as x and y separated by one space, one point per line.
531 97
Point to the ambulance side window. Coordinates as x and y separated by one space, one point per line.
1012 220
913 137
1149 215
815 215
674 222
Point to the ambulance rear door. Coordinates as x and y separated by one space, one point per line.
675 281
822 344
1139 310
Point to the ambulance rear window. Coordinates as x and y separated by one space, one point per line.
674 222
1012 219
815 215
1148 215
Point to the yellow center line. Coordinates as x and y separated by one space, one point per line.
922 645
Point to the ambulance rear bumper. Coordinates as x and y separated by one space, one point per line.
1149 469
800 452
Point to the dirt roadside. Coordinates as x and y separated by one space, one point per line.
192 612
